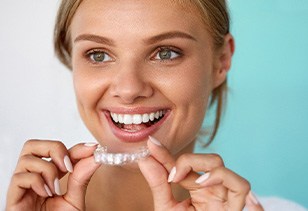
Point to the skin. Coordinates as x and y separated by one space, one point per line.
133 75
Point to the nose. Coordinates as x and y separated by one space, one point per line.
130 84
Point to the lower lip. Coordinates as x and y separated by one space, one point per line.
137 136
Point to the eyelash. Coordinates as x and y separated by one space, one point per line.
175 53
89 55
178 53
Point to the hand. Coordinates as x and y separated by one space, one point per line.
35 182
218 189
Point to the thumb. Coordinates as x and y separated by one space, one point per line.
79 179
156 176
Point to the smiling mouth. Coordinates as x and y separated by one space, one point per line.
136 122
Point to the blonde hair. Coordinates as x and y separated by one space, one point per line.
214 14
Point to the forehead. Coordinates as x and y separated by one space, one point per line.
136 16
136 5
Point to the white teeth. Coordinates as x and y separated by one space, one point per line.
114 117
136 118
152 116
120 118
128 119
145 118
157 115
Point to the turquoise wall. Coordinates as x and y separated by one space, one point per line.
264 134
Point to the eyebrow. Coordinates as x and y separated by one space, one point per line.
152 40
94 38
169 35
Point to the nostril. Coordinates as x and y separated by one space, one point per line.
131 90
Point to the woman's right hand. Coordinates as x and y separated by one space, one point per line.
35 182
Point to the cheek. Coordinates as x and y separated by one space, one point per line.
190 86
189 91
194 94
83 92
89 86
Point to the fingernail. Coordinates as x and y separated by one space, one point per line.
154 141
202 178
68 164
172 175
91 144
57 187
253 198
47 190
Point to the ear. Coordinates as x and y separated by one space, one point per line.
223 60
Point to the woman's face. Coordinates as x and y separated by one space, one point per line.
141 68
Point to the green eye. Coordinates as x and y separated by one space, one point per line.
166 54
99 56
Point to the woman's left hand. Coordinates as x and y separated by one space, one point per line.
218 189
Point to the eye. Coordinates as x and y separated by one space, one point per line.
166 54
98 56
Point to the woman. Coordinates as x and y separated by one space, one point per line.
144 74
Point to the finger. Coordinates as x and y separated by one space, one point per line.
163 156
55 150
156 176
23 182
252 203
160 153
48 171
81 150
83 170
197 163
237 186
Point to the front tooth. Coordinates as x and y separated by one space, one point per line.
137 119
128 119
120 118
145 118
152 116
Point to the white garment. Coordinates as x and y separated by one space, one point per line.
279 204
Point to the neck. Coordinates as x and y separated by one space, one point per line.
118 188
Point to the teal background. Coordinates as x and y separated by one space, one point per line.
264 132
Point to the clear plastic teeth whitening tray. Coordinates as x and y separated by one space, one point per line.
102 156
